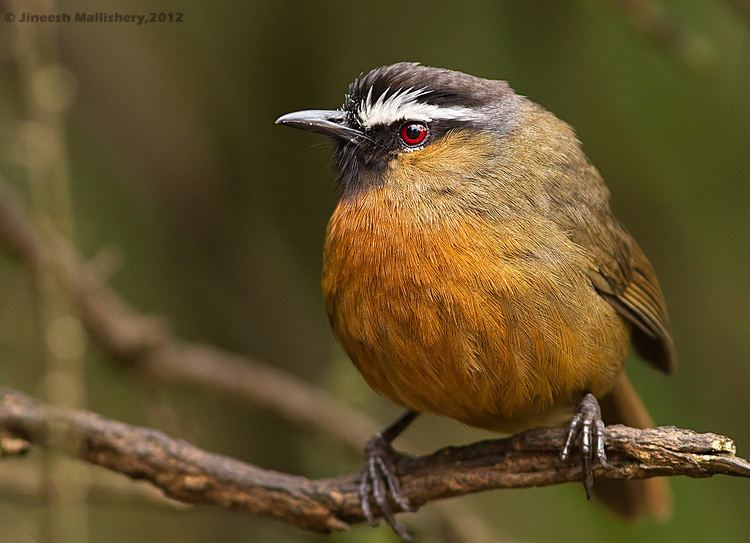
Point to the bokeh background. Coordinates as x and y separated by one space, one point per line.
167 167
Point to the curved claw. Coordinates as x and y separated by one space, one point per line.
588 425
379 484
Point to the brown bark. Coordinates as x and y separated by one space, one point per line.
188 474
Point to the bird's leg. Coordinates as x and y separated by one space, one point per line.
587 425
378 480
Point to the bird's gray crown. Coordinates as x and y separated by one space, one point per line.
409 91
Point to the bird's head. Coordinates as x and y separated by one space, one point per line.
408 120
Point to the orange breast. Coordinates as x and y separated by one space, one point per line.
494 325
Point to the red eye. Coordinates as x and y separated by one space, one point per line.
413 133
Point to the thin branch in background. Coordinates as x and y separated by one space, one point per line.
656 23
47 90
186 473
146 344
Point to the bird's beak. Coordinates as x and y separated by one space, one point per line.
330 123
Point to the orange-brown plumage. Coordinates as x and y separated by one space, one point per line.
473 267
447 313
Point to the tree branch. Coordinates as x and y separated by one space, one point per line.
188 474
146 343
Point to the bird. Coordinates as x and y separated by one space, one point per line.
473 269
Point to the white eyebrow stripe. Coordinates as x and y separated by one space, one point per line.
403 105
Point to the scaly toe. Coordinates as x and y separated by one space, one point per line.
380 485
587 425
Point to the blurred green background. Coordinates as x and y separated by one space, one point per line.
218 216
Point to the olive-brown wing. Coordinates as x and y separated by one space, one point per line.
628 281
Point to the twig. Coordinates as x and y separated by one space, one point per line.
47 90
188 474
147 344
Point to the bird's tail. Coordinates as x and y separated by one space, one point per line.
634 498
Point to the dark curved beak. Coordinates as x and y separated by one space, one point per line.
330 123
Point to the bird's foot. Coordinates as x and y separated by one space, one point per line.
588 427
379 484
